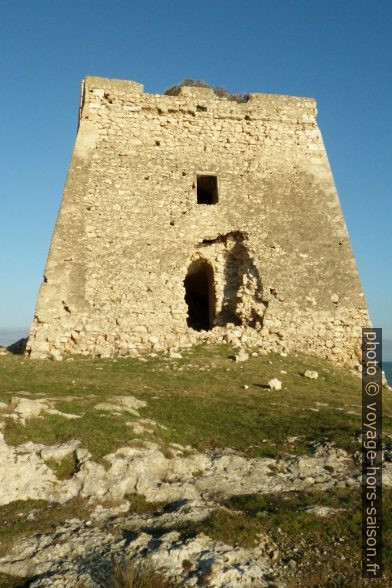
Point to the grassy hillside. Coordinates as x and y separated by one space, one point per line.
210 402
201 399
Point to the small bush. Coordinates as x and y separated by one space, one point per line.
219 91
65 468
137 575
139 505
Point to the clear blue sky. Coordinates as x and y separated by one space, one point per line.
338 51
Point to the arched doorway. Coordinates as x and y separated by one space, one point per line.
200 296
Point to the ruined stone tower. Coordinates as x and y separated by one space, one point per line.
192 217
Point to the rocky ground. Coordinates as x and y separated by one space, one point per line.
194 484
170 504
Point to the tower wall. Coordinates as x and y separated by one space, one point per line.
130 226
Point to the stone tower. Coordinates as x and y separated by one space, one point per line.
192 217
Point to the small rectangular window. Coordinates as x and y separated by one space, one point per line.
207 189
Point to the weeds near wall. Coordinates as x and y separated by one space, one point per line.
219 91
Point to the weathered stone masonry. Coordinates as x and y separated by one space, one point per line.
137 265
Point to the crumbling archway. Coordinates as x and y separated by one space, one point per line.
200 295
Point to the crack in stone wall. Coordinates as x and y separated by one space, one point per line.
237 281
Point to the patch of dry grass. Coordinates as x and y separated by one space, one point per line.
137 575
24 518
200 399
202 402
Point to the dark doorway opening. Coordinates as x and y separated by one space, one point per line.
199 296
207 189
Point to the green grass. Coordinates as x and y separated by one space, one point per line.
11 582
201 401
139 505
23 518
207 408
137 575
65 468
326 550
